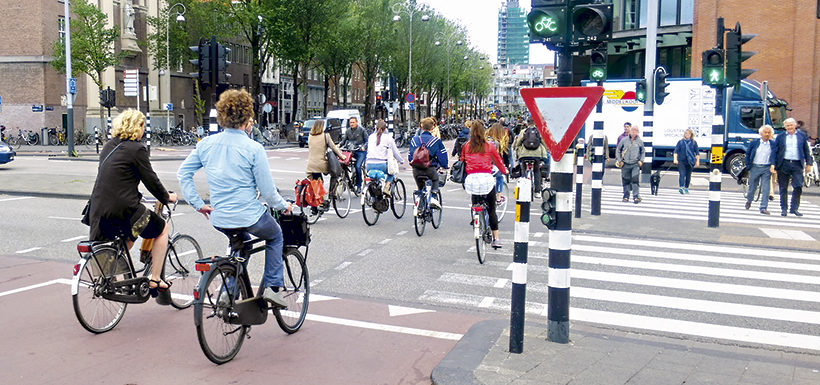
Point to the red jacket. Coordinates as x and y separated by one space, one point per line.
482 163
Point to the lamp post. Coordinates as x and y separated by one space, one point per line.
448 40
410 9
180 19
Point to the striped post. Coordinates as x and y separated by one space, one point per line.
108 128
523 197
579 176
598 158
97 138
716 161
560 243
648 123
148 132
390 111
213 128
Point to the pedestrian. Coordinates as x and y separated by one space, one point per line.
355 138
530 146
318 143
629 157
789 158
758 164
627 126
115 209
479 157
379 147
686 157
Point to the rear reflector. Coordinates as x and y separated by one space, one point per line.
76 269
478 208
196 294
203 267
83 247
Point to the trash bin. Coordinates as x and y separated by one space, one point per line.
44 136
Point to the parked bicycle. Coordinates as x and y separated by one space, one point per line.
224 309
375 201
423 211
28 137
272 136
105 279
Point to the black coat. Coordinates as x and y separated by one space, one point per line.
115 197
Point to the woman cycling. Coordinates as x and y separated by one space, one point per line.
379 147
318 143
115 209
479 157
497 135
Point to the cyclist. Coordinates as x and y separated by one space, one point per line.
437 156
479 157
530 146
356 138
115 208
318 143
497 135
379 147
463 137
236 167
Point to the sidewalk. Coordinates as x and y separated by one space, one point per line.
597 355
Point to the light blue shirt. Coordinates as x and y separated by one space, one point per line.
791 147
236 167
763 153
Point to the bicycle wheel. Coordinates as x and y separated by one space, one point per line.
398 198
296 292
183 252
95 313
342 198
419 220
480 245
275 138
435 212
219 339
52 139
371 216
501 209
311 213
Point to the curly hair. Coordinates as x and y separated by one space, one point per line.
128 125
234 108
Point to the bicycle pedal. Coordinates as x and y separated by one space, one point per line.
164 298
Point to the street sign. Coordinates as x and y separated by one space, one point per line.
559 113
169 106
132 82
72 86
412 106
410 98
36 108
267 108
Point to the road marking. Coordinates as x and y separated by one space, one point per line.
293 158
386 328
274 157
77 238
65 218
396 311
15 199
384 241
486 302
365 252
796 235
27 250
287 171
343 265
537 235
453 189
401 232
26 288
501 282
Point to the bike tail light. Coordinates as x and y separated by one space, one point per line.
196 293
203 267
83 248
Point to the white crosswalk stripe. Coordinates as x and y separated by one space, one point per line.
750 295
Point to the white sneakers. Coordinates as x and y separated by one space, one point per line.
435 203
274 298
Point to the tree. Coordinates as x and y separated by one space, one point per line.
336 53
374 42
92 45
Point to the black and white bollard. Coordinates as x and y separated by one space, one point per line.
213 127
598 159
148 132
97 138
646 136
716 161
108 129
579 176
523 197
560 244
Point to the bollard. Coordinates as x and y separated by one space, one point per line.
523 197
560 244
598 158
97 138
716 161
108 129
646 136
579 176
148 132
213 128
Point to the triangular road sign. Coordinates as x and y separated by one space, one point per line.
560 112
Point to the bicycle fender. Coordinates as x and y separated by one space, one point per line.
200 288
75 280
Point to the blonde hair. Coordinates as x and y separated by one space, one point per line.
234 108
691 133
318 127
128 125
499 135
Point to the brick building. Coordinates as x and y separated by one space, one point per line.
787 45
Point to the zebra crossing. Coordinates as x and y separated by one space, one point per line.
747 295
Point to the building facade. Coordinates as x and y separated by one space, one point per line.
513 34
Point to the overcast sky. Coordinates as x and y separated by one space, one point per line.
480 17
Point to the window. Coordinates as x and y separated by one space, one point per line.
61 27
669 12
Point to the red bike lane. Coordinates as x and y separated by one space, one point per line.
343 341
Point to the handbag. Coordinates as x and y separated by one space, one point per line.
87 209
392 165
334 167
458 172
295 229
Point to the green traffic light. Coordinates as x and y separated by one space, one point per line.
640 96
715 76
598 74
545 24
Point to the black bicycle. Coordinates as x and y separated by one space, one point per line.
105 280
375 201
423 211
224 308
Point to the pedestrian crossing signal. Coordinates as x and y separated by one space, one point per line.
640 91
713 73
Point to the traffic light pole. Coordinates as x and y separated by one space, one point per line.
649 75
69 97
716 161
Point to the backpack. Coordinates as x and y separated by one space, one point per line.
532 138
421 156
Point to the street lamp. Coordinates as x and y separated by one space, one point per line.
448 39
180 19
410 9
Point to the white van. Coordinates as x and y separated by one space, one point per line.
345 115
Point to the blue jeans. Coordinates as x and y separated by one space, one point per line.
684 174
761 175
360 158
381 167
266 228
499 182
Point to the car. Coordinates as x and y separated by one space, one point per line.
333 126
345 116
6 153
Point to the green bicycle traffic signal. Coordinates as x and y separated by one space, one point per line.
546 25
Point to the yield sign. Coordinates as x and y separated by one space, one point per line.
559 113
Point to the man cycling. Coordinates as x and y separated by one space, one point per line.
236 168
437 157
530 146
356 139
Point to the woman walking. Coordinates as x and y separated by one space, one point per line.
686 157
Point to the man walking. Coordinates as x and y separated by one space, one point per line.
629 156
790 156
758 163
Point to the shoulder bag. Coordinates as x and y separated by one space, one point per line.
334 167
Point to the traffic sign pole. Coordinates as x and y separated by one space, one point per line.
69 98
649 75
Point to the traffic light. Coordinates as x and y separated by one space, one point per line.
108 98
712 67
735 56
660 85
547 21
597 64
548 216
222 63
202 62
591 22
640 90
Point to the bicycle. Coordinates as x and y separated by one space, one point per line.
481 228
272 136
105 280
423 212
375 201
340 199
224 310
813 177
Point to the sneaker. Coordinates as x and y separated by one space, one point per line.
783 213
796 213
435 203
496 244
626 199
537 195
764 212
748 204
686 190
680 190
637 200
274 298
501 199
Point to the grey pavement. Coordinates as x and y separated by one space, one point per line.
603 356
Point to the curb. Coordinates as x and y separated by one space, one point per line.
458 365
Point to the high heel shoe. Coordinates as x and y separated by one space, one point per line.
156 290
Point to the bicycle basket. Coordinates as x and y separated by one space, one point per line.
295 230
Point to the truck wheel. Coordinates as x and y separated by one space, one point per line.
734 164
